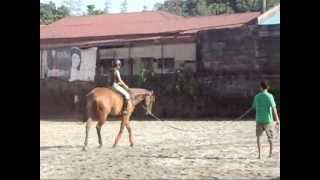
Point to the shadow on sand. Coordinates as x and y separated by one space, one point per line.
43 148
178 157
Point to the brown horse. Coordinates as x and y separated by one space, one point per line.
104 102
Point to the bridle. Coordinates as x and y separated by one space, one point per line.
148 108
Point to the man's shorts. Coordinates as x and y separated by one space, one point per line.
268 128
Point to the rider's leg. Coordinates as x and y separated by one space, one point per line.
126 98
126 102
125 106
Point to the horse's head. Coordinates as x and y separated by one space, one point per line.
149 100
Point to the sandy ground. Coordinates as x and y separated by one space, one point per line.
217 150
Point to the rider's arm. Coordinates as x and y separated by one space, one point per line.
120 80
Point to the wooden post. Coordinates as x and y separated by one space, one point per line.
162 61
41 63
199 63
130 61
98 70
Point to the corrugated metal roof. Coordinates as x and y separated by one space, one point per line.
116 42
142 23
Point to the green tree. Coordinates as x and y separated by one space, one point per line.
62 11
172 6
124 6
74 6
91 11
212 7
106 6
50 13
202 8
190 7
145 8
158 6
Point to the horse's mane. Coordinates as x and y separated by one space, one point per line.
139 91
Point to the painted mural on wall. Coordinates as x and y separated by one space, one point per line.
59 63
75 64
68 64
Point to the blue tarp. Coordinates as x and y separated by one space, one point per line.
275 19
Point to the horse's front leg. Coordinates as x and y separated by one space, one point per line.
130 133
98 127
102 119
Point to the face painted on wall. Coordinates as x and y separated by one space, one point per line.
75 60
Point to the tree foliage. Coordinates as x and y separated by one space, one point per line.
91 11
212 7
50 13
74 6
145 8
124 6
106 6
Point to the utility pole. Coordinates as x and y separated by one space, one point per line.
264 5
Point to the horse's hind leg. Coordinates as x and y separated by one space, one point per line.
88 125
98 127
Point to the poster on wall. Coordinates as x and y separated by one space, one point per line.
75 73
59 63
64 63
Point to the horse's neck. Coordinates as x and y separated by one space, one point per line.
138 95
138 99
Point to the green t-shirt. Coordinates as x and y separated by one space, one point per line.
263 104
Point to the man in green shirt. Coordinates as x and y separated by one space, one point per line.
265 107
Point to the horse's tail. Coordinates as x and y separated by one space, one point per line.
90 107
84 111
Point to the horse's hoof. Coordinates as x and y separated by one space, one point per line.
84 148
114 146
131 145
100 146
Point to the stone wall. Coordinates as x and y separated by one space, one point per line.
177 96
254 49
206 95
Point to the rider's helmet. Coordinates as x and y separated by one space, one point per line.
117 62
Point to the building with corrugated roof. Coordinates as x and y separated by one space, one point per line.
83 48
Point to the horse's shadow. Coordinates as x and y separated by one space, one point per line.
43 148
178 157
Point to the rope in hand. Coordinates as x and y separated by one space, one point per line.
277 126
